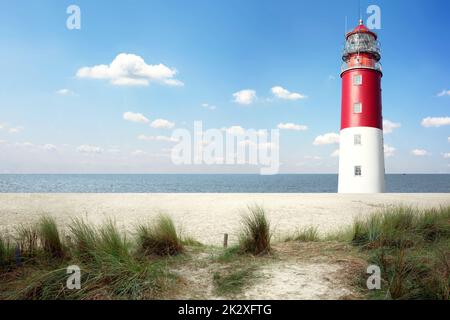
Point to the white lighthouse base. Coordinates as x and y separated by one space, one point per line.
361 166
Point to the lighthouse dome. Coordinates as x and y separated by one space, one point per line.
361 28
361 40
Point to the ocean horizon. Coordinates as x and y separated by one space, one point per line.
208 183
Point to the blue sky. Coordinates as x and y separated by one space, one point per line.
56 119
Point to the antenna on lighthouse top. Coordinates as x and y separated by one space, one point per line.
359 9
346 27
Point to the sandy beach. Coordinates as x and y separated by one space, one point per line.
206 217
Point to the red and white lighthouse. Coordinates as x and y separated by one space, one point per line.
361 155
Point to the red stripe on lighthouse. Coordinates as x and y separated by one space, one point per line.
368 93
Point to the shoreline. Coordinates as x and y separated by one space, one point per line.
207 216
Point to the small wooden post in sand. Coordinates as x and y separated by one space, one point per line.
225 240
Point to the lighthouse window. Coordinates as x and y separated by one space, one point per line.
357 139
357 80
358 171
357 107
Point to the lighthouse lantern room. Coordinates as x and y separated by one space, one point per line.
361 155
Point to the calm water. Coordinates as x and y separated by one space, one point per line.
111 183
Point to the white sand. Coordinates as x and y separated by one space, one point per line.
207 217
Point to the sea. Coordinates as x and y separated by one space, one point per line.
210 183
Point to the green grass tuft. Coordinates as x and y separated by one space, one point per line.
160 238
50 238
309 234
7 253
233 282
411 247
84 239
255 234
27 239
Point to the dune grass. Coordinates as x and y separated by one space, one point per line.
49 237
308 234
412 248
160 238
27 240
234 281
255 234
112 266
7 253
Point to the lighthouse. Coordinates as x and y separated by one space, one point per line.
361 154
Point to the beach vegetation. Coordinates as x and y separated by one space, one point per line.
412 248
255 233
160 238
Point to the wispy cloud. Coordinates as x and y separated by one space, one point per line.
89 149
389 126
208 106
135 117
420 152
335 153
65 92
292 126
49 147
443 93
435 122
388 151
285 94
15 129
162 124
131 70
327 138
157 138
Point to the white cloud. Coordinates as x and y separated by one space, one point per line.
138 153
292 126
312 157
113 150
447 155
135 117
89 149
49 147
327 138
162 124
389 126
285 94
448 139
156 138
15 129
131 70
245 97
234 130
335 153
444 93
420 152
24 144
388 151
208 106
65 92
435 122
